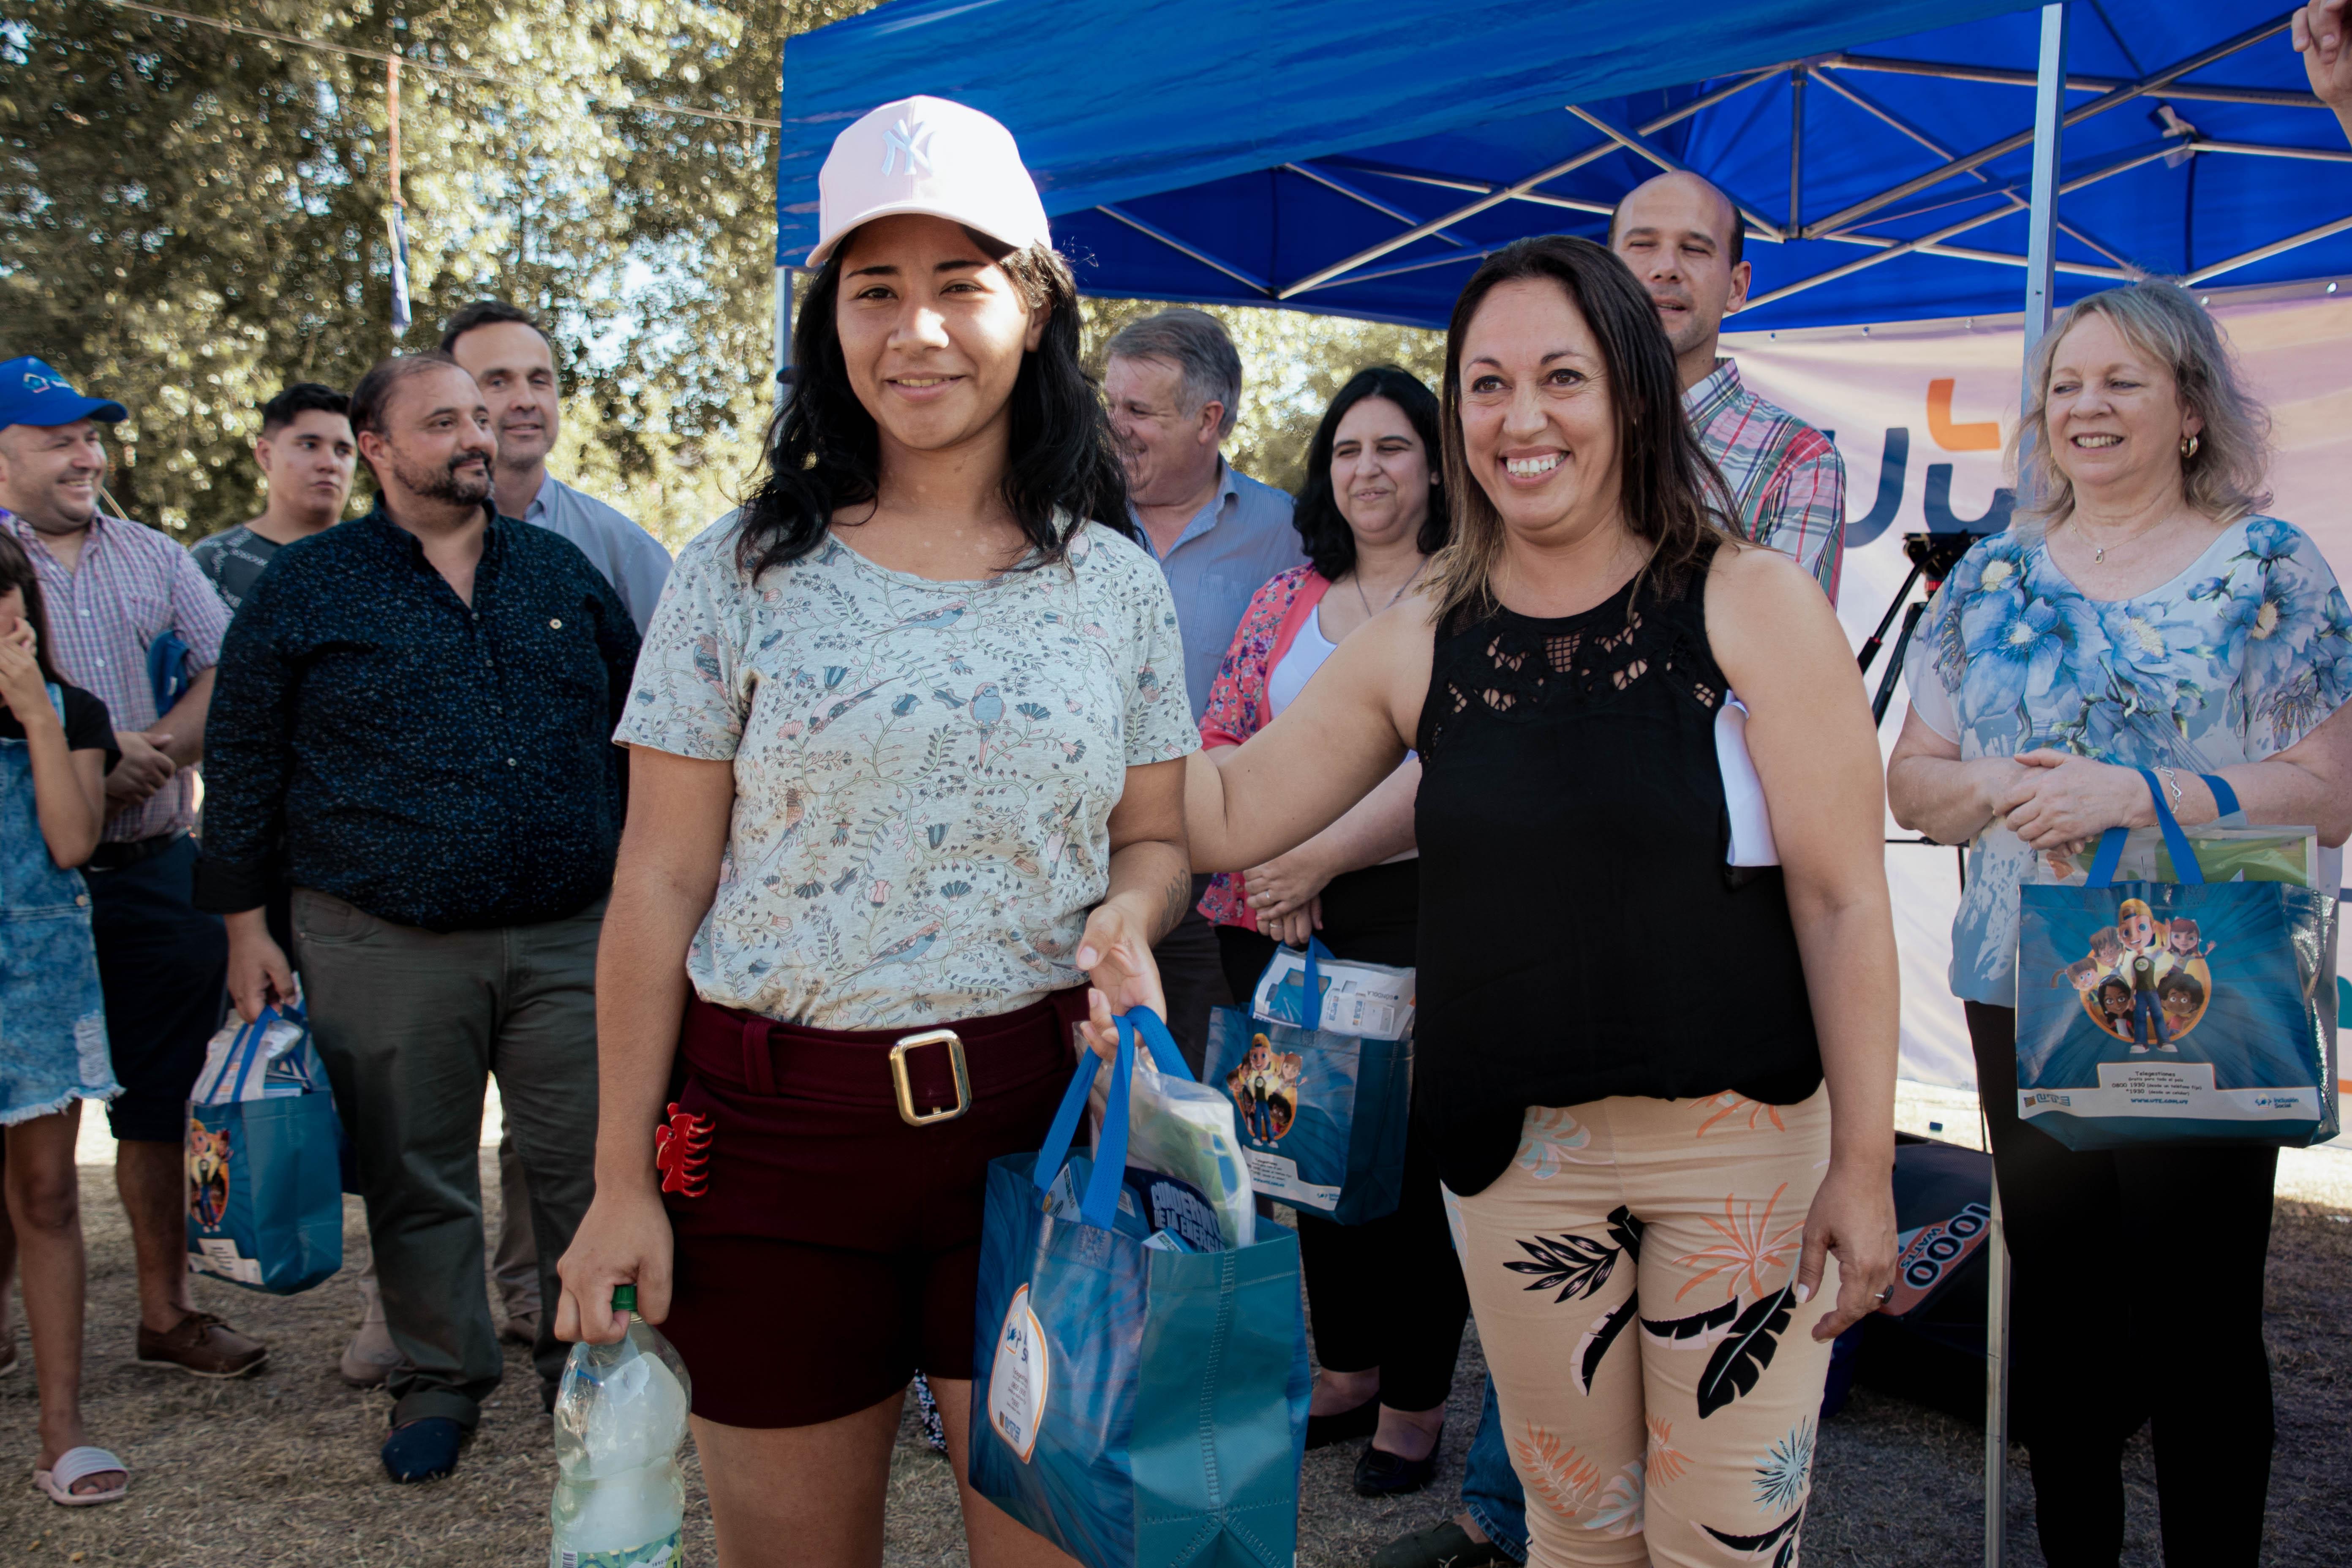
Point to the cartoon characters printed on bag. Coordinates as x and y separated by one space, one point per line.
2145 981
1266 1087
207 1176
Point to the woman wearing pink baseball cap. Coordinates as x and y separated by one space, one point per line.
907 781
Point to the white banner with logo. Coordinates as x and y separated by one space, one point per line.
1921 412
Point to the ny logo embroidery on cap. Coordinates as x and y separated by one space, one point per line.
914 141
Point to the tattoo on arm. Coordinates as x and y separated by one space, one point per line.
1175 899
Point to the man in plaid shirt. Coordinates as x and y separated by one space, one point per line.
1682 239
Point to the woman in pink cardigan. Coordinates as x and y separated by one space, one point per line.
1387 1296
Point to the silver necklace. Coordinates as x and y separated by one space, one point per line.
2098 551
1356 577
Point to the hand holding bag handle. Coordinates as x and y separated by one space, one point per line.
2184 859
1149 1028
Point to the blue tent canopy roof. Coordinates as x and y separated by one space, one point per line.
1358 160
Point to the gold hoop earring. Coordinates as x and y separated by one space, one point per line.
2188 447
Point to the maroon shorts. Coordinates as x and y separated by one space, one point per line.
830 1250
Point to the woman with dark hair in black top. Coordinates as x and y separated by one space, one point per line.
1659 1086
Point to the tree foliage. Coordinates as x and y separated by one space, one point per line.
192 218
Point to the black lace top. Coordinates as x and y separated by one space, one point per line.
1581 935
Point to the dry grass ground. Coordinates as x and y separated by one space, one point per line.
280 1469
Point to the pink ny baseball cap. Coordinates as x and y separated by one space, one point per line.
932 156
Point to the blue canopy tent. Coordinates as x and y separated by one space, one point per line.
1358 160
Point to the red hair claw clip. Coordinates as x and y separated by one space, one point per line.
682 1153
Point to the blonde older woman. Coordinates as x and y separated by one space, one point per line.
2142 614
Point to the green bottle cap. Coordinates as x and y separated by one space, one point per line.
624 1298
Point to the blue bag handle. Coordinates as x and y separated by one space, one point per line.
296 1013
1310 1014
1310 1006
248 1040
1101 1203
2225 799
2184 859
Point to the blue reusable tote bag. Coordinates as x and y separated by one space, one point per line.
1321 1111
1140 1408
265 1183
2172 1012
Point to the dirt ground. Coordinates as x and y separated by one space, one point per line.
281 1469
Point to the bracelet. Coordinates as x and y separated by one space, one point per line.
2172 783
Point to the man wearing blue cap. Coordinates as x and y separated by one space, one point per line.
117 593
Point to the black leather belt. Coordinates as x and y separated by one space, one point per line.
116 856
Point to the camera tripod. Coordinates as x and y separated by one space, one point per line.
1933 556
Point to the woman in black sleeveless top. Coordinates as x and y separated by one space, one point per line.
1661 1086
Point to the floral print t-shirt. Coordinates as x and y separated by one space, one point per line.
924 771
2233 661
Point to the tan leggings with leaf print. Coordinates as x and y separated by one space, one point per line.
1632 1271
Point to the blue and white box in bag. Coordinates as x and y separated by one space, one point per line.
1322 1094
264 1189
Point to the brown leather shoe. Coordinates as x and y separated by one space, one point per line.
203 1345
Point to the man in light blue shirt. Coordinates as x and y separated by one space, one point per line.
512 361
1174 385
514 365
1173 382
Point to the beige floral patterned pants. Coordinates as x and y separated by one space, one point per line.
1633 1271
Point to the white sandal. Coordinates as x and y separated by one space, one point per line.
78 1465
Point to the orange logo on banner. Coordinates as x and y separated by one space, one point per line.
1951 437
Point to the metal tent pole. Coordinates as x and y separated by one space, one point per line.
783 357
2049 114
2040 270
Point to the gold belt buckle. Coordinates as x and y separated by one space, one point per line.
907 1111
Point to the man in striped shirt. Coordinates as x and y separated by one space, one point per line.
1682 237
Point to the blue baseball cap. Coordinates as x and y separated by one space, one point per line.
31 393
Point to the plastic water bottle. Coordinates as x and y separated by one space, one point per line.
620 1416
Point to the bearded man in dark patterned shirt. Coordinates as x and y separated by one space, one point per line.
417 706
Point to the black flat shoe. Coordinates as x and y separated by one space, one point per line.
1446 1546
1379 1473
1344 1425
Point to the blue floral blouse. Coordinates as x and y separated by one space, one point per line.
2234 660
